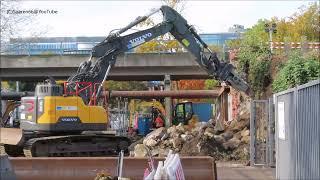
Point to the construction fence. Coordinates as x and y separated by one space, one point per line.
285 132
297 115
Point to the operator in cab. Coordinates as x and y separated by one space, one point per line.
159 121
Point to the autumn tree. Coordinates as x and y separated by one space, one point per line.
254 56
12 25
166 42
191 84
304 23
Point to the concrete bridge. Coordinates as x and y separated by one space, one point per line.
131 66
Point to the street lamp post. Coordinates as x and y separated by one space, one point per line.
271 29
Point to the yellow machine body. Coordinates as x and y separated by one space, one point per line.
57 107
59 113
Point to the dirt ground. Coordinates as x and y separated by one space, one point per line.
230 171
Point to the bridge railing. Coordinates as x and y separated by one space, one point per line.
60 48
57 48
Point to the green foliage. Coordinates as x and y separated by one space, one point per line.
210 84
256 36
298 70
254 58
126 85
123 86
255 63
233 44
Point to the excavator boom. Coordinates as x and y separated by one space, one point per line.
107 51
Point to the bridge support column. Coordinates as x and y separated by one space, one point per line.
0 100
168 101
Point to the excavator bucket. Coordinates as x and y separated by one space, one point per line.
11 136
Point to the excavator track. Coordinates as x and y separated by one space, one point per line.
11 150
76 146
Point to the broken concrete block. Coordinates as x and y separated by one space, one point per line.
244 114
231 144
140 151
245 139
156 134
165 136
171 129
186 137
237 135
177 142
219 139
245 132
227 135
180 128
152 138
209 132
150 142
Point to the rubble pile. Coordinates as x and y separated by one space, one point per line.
203 139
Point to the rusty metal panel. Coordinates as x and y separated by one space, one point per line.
298 132
86 168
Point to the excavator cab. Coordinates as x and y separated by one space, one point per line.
183 113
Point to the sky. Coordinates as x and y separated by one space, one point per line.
98 18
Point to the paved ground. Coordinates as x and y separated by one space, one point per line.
229 171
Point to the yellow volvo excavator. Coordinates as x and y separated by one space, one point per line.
61 121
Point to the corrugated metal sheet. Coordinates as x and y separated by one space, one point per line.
298 132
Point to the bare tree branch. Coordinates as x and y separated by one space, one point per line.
12 25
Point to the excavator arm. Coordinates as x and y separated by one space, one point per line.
107 51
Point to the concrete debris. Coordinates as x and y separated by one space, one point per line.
237 135
154 137
186 137
239 125
140 151
165 136
231 144
150 142
227 135
156 134
245 132
180 128
171 129
245 139
244 114
176 143
202 139
219 139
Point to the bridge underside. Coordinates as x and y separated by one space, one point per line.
117 73
129 67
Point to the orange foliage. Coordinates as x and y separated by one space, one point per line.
191 84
